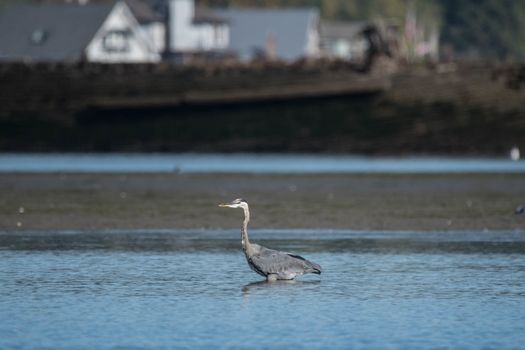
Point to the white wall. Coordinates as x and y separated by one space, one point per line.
138 48
156 33
209 37
186 36
312 46
347 49
181 25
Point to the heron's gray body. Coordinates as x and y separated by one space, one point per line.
272 264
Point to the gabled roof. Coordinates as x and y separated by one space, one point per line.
251 28
143 11
341 29
50 32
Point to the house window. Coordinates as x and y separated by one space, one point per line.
116 41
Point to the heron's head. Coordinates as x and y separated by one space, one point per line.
237 203
520 209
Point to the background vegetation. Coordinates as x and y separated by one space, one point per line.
470 28
489 29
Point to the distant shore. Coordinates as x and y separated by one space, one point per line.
449 109
164 201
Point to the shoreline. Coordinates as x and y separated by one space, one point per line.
265 233
474 109
375 202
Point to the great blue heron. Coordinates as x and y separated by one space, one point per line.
272 264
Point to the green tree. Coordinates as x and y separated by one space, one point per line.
485 28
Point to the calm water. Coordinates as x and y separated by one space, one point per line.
252 163
193 290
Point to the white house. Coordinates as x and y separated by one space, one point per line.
343 40
121 39
196 31
151 22
286 34
106 33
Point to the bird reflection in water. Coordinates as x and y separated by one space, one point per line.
279 285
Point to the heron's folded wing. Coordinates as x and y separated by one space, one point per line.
273 261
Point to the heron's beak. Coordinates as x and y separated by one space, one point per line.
225 205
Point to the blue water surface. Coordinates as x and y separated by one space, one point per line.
193 290
252 163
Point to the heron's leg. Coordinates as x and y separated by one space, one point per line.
271 277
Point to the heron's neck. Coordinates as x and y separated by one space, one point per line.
244 232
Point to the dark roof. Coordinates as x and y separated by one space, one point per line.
341 29
50 32
207 16
143 11
251 28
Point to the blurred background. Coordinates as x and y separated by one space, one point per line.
378 138
363 77
305 95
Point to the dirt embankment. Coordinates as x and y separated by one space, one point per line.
443 109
